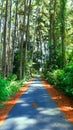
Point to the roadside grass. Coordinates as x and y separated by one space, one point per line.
9 86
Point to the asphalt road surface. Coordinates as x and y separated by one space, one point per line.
35 110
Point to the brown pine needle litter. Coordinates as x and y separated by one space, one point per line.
64 102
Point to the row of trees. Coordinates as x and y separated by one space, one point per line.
14 28
35 33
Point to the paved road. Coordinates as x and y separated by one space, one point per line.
35 110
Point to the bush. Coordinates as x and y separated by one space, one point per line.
11 77
62 78
13 87
68 80
59 76
49 77
3 89
8 87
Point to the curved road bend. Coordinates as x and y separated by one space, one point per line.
35 110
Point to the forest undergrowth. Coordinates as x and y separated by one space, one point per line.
62 79
10 85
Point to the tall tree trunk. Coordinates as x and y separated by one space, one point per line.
22 49
27 27
4 43
21 56
50 39
53 28
1 17
27 30
33 45
62 7
41 54
1 11
14 34
9 40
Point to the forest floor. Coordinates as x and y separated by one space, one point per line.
35 94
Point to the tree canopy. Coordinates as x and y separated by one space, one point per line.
35 36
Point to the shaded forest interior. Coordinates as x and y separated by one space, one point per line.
36 37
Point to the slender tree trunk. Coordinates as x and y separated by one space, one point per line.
62 6
22 64
9 40
1 18
14 35
27 27
27 30
21 56
40 38
33 45
4 43
1 33
53 28
50 39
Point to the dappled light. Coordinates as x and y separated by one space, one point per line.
36 64
36 110
65 103
10 103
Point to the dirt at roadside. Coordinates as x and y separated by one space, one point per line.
7 105
64 102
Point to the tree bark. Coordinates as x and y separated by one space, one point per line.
4 43
14 35
27 32
9 40
50 33
21 56
1 33
62 7
53 28
22 49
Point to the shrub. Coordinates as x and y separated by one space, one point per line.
11 77
68 80
3 89
13 87
59 76
8 87
49 77
62 78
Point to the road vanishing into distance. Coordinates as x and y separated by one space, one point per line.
36 110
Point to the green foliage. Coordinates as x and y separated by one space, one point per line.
13 87
10 85
69 53
37 60
16 63
11 77
68 80
3 89
58 77
49 77
62 78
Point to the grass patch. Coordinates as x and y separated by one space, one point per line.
10 85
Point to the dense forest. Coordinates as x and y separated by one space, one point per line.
36 37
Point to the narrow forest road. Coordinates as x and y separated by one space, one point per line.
36 110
